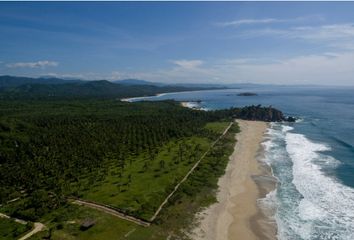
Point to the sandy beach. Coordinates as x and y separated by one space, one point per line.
185 104
236 214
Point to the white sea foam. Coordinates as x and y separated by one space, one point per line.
269 204
195 106
271 147
309 204
286 128
268 146
299 120
192 105
327 208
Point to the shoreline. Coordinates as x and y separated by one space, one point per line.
237 214
133 99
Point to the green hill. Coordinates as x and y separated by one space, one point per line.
32 88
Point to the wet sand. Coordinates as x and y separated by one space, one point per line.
236 215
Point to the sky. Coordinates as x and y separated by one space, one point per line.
184 42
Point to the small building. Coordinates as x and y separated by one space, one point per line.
87 223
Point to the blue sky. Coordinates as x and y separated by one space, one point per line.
226 42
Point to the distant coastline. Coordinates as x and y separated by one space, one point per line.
134 99
141 98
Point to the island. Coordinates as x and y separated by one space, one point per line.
247 94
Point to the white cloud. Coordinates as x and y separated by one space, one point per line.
322 33
188 64
121 75
326 69
68 75
240 22
332 68
335 35
114 75
251 21
38 64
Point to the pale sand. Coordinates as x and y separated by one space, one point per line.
236 215
185 104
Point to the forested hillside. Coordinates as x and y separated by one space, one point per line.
55 89
7 82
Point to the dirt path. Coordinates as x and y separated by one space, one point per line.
111 211
187 175
37 228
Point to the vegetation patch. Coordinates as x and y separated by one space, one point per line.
217 127
9 229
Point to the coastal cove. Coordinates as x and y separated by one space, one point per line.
317 148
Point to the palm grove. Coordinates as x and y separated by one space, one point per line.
126 155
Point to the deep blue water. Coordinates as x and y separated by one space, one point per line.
313 159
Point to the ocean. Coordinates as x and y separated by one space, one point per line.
313 159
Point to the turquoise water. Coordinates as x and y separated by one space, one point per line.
313 159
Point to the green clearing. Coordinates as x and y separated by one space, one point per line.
64 223
217 127
9 229
142 185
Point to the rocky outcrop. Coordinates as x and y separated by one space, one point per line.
259 113
247 94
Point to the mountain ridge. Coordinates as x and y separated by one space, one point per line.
39 88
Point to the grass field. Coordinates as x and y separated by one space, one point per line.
65 224
142 185
217 127
9 229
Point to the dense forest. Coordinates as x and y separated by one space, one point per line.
257 113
